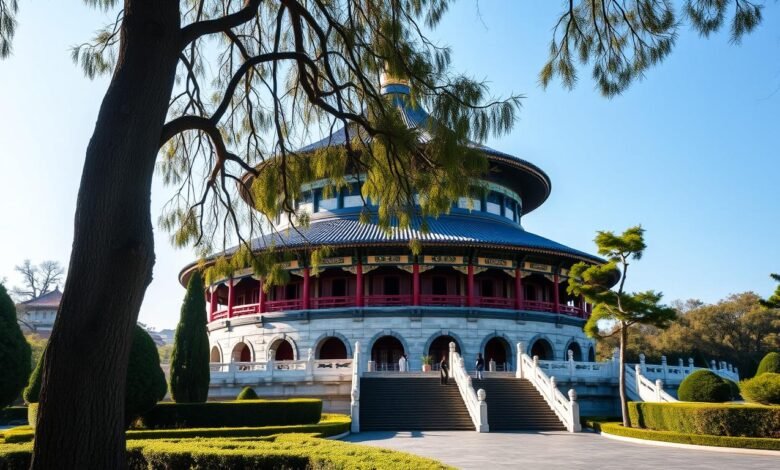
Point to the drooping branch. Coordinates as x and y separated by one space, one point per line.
199 29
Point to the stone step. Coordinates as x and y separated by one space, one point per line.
515 404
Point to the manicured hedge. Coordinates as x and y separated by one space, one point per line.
699 418
704 386
770 363
617 429
330 425
250 413
289 451
764 389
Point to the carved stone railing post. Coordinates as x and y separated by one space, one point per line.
553 386
310 366
638 375
712 364
571 363
450 359
354 407
535 367
642 362
483 411
574 412
271 366
659 386
519 373
664 366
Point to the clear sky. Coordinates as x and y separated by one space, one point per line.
691 153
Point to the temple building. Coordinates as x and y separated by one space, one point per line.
480 281
37 315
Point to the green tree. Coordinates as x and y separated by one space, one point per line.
190 359
14 352
235 80
774 300
616 309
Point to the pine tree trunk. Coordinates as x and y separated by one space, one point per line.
623 398
81 418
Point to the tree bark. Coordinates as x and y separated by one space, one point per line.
81 416
622 382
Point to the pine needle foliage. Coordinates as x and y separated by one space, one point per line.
190 374
774 300
15 353
617 309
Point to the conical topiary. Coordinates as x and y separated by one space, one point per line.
15 353
247 393
190 374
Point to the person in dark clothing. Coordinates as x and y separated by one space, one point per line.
444 370
480 366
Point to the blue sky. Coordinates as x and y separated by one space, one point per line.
691 152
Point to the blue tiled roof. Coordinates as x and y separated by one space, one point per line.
472 231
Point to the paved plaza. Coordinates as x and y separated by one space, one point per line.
554 450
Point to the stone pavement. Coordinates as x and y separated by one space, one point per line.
554 450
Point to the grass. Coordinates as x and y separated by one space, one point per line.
330 424
617 429
289 451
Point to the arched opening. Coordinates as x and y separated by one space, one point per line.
215 356
332 348
386 352
440 347
284 351
574 347
497 349
241 353
591 355
543 349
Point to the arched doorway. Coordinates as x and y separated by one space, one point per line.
241 353
386 352
591 354
284 351
574 347
215 356
543 349
440 347
332 348
497 349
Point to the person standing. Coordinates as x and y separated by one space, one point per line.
480 365
444 370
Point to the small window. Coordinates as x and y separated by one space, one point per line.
392 285
439 285
487 288
338 288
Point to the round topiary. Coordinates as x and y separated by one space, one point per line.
14 352
734 388
704 386
770 363
247 393
145 379
764 389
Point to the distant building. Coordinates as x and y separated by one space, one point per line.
37 315
167 335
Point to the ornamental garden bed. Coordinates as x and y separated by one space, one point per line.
289 451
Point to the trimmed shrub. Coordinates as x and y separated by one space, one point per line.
704 386
617 429
190 373
764 389
247 393
716 420
15 353
251 413
145 379
733 389
770 363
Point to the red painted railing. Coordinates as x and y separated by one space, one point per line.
443 300
332 302
398 300
494 302
387 300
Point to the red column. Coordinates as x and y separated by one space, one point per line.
231 298
212 303
261 298
519 294
306 295
556 294
470 286
359 284
416 284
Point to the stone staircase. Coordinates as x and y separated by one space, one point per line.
515 405
411 404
